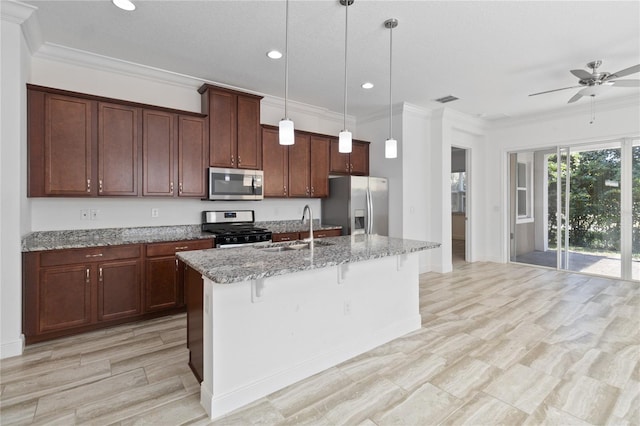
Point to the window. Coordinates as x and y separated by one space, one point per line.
458 192
524 192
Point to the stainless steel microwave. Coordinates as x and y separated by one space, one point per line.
235 184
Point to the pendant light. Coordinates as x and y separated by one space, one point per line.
344 137
286 133
390 145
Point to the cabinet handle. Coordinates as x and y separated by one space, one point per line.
180 188
347 164
88 185
320 235
285 190
176 265
171 187
182 247
350 168
307 190
285 239
93 255
239 160
100 185
100 274
87 276
232 160
312 190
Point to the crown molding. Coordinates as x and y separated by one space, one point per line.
15 11
303 108
564 112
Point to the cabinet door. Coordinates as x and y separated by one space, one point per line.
158 147
360 159
119 289
117 149
64 297
161 290
275 165
192 157
195 339
319 166
339 162
285 236
68 146
249 145
299 165
222 128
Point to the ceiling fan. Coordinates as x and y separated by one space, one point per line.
596 82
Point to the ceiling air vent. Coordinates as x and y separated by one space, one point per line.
445 99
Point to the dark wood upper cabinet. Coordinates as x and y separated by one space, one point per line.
60 145
85 145
158 152
355 163
234 127
275 164
300 166
118 145
319 166
193 156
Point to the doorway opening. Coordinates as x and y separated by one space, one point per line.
459 197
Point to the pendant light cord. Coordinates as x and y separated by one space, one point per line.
390 82
346 25
286 60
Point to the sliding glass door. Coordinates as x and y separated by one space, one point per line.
571 208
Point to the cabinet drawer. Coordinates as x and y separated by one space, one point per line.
285 236
172 247
93 254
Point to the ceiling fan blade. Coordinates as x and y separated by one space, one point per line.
581 74
626 83
631 70
554 90
575 97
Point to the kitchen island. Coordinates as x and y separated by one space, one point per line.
274 315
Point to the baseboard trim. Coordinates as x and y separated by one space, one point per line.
12 348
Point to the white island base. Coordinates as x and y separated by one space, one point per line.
263 335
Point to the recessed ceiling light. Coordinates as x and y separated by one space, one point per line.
124 4
367 85
274 54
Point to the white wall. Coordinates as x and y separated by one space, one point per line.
14 70
569 126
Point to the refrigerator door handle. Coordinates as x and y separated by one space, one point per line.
369 212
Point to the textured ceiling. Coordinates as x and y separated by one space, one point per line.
490 54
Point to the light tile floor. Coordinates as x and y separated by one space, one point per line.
500 344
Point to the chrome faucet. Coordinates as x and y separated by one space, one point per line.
306 207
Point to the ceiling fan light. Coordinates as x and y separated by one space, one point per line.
124 5
344 142
286 134
391 148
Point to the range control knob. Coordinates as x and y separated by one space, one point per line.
235 239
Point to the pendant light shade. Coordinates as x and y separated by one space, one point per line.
344 137
287 136
286 131
391 145
390 148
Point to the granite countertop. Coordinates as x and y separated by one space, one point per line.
283 226
83 238
249 263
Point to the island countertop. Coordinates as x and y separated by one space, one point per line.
225 266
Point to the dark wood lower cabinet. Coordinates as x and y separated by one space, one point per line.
193 286
64 298
119 285
77 290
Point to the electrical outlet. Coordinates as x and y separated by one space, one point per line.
95 214
84 214
347 307
155 212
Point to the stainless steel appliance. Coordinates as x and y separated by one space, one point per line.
360 204
235 184
234 228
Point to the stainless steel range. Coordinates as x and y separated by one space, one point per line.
234 228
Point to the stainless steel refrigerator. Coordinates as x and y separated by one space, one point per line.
360 204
